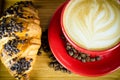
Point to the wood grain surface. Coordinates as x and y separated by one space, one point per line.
41 71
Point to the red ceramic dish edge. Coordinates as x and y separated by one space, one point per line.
94 53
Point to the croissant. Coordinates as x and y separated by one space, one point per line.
20 38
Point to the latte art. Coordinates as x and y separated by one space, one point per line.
93 24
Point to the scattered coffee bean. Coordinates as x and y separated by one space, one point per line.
74 50
98 58
88 59
63 37
61 66
75 55
52 57
83 60
69 72
51 65
45 47
56 64
83 57
64 70
54 60
79 57
57 68
92 59
67 43
70 52
44 40
68 47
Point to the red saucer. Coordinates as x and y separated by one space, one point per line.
109 62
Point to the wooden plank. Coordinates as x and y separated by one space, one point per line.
41 71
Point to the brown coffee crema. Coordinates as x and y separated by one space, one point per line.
93 24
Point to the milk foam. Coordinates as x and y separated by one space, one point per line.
93 24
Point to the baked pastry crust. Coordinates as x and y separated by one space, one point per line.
20 38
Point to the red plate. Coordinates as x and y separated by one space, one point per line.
109 62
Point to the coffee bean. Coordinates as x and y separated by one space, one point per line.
31 60
92 59
79 57
44 40
74 50
51 65
56 64
69 72
68 47
88 55
64 70
83 60
83 55
71 53
98 58
68 44
88 59
52 57
57 68
61 66
12 68
14 59
54 60
63 37
75 55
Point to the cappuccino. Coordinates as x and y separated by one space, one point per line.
93 24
